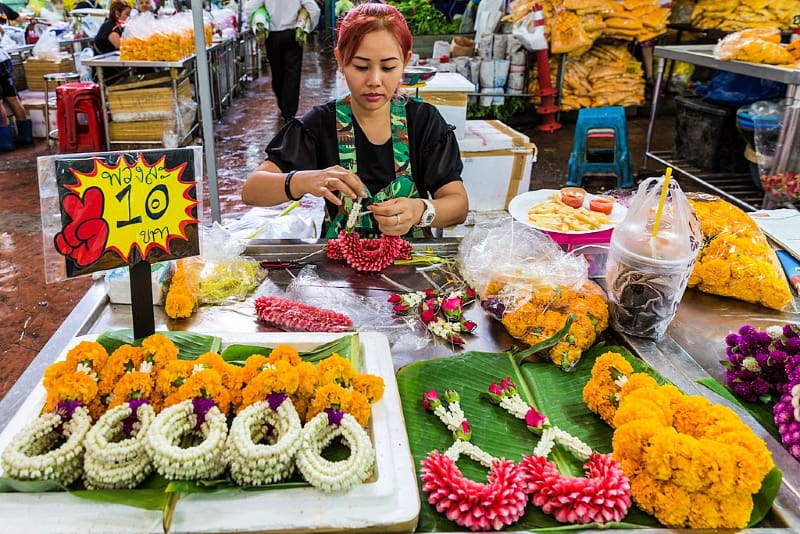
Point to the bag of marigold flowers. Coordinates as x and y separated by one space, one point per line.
541 294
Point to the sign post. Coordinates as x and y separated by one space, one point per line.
127 209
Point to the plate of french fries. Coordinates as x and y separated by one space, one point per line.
543 209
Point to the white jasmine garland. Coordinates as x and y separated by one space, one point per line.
202 461
452 416
515 406
460 447
112 463
352 217
335 476
31 456
546 442
253 463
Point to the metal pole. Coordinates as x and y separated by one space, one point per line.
204 94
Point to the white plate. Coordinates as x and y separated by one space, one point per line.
389 502
521 204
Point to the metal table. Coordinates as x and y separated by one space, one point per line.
691 349
703 56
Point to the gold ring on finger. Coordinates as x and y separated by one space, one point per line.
397 219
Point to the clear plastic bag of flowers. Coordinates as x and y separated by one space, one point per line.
538 291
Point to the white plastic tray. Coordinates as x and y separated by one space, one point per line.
387 503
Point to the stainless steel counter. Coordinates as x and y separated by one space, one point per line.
692 348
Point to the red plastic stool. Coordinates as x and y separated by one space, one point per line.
80 123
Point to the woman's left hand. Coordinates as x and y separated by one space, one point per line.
396 216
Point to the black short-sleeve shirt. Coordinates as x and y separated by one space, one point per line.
310 143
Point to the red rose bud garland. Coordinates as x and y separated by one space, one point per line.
364 254
603 496
294 316
442 314
490 506
493 505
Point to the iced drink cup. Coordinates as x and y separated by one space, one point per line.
644 291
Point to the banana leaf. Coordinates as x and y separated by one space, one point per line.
552 391
343 346
150 495
190 344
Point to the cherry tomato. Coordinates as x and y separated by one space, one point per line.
573 196
602 204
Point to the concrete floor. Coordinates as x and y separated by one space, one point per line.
31 310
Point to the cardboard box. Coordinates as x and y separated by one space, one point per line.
498 162
147 100
448 92
36 68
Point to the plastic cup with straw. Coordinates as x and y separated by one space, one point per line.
660 211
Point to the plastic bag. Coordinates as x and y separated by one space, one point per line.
779 168
529 34
754 45
47 47
736 90
537 291
648 266
736 259
85 72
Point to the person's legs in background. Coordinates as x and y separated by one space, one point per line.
8 93
285 57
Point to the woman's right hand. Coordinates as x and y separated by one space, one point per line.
327 182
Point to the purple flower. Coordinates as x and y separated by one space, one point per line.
65 409
133 418
334 416
275 400
201 407
430 400
744 391
791 330
731 340
495 307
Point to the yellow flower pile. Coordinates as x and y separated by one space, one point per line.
735 259
181 298
174 44
735 15
537 315
153 372
691 464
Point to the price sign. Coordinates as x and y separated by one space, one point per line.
119 208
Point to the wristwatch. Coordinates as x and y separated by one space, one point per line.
428 215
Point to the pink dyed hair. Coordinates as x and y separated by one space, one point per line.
370 17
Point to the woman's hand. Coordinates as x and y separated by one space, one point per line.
327 182
397 215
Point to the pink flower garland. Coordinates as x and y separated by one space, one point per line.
442 314
294 316
603 496
368 254
499 502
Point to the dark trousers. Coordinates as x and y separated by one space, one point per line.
285 57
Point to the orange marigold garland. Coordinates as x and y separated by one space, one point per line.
691 464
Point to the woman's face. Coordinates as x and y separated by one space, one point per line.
123 16
375 71
144 5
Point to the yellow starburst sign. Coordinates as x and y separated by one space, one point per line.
142 206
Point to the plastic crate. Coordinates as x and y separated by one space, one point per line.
706 136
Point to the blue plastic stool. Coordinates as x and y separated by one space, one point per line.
606 122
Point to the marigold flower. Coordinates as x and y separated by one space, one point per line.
285 352
370 386
691 464
278 378
89 353
136 385
327 396
159 349
336 370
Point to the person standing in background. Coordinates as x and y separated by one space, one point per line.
9 94
284 52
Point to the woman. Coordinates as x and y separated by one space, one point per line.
375 145
110 33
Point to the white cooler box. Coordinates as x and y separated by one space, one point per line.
498 162
448 92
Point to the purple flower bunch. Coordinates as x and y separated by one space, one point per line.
441 313
764 366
